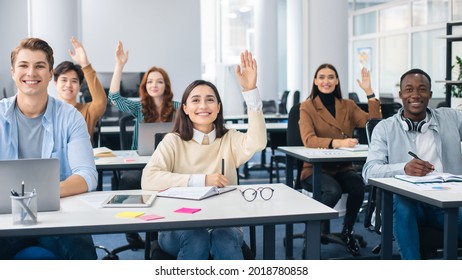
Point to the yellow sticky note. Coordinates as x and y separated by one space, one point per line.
129 214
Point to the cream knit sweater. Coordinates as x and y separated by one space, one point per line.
175 160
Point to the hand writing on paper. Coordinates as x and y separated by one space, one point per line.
247 72
344 143
418 167
216 179
78 55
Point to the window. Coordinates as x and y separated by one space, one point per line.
227 28
429 11
395 18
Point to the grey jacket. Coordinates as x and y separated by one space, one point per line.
390 143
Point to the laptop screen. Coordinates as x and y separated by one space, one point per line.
39 174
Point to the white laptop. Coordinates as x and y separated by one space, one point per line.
146 133
39 174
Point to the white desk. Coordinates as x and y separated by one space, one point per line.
244 118
124 160
78 216
270 127
316 157
449 200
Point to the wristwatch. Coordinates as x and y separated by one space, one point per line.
371 96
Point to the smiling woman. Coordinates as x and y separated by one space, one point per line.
202 152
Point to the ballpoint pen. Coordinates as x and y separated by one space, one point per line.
413 155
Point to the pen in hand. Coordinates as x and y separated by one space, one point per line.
413 155
223 166
416 157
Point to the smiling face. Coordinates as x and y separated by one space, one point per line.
31 72
326 80
68 86
415 93
155 84
202 108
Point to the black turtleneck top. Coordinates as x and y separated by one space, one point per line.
329 102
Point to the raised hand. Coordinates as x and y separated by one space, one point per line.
78 55
365 82
246 72
120 55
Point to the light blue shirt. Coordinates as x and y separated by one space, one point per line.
65 137
390 144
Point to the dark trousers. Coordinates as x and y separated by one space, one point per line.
67 247
332 188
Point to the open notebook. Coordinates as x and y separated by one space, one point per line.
431 178
195 193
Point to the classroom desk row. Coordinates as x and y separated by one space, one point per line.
270 127
83 214
450 201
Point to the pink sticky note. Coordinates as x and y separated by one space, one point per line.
150 217
187 210
126 160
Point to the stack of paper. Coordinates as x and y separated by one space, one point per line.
102 152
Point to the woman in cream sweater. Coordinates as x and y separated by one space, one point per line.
191 157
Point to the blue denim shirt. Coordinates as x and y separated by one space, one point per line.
390 143
65 137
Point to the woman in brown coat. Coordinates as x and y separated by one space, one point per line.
327 121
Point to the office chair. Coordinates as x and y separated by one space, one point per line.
431 239
294 139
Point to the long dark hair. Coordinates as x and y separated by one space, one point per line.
148 107
315 90
183 124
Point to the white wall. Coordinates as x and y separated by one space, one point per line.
328 39
155 32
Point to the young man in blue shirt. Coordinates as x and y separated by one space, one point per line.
36 125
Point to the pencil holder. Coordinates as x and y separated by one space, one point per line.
24 209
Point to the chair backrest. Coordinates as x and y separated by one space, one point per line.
269 107
283 104
126 137
389 109
292 99
353 96
294 138
370 125
97 134
158 138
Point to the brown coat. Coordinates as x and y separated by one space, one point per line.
318 127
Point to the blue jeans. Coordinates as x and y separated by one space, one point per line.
67 247
408 214
198 244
